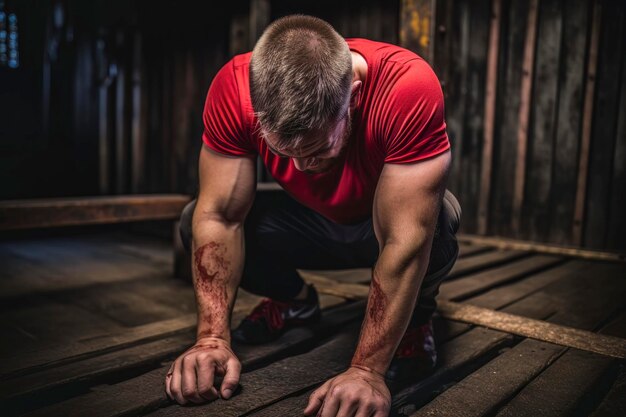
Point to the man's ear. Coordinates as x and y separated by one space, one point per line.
354 93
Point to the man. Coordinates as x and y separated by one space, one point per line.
354 132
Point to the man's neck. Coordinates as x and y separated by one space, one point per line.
359 67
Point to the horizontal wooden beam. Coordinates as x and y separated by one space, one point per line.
534 329
57 212
504 243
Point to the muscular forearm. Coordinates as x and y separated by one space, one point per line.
394 288
216 267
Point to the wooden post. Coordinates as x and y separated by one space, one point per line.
583 164
417 21
259 19
524 112
138 117
490 111
120 117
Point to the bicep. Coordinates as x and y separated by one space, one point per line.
408 199
227 186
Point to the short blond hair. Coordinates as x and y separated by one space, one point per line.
300 76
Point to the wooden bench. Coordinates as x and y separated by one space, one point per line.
59 212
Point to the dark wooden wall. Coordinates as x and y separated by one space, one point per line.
109 96
546 162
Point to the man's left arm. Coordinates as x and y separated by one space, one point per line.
406 206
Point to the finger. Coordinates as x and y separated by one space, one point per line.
316 399
231 379
189 386
330 407
348 408
367 412
205 375
175 384
168 380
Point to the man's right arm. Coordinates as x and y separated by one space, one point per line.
227 186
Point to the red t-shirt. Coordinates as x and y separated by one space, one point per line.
399 119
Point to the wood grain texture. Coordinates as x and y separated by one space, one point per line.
490 114
39 213
571 86
542 124
585 140
528 64
611 52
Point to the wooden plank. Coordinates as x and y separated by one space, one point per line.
139 116
500 297
535 329
474 98
584 373
145 392
121 114
503 243
617 221
490 112
483 392
466 250
535 223
47 324
126 306
417 19
54 264
35 213
569 114
484 261
269 384
455 70
585 141
507 116
471 285
614 404
87 348
477 394
611 53
528 64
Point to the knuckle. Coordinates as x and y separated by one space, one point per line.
336 390
188 393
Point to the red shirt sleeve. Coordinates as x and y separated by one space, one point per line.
224 123
413 126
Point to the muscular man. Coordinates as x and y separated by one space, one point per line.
354 132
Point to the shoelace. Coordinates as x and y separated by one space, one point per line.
271 311
417 341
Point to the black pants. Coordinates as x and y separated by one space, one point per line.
282 235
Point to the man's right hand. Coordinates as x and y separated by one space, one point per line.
191 376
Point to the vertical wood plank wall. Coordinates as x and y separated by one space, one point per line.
535 100
557 169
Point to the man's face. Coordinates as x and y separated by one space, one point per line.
319 151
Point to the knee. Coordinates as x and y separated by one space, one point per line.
185 228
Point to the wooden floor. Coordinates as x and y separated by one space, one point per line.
91 322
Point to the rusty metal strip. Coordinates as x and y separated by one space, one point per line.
534 329
524 114
585 142
490 111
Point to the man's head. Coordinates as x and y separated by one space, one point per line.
300 84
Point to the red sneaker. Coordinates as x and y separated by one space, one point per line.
271 318
416 355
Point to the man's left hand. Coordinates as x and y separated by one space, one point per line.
354 393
